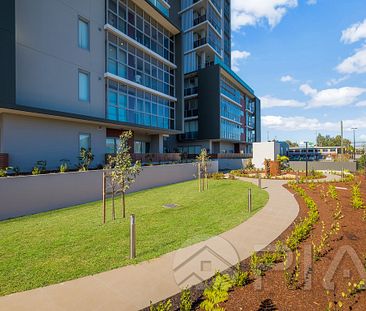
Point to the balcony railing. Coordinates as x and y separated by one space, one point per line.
200 42
156 157
199 20
188 136
191 91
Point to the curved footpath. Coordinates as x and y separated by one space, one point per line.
133 287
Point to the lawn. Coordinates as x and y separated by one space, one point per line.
66 244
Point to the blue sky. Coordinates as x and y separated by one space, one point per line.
306 60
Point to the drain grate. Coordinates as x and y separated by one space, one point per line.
170 205
267 305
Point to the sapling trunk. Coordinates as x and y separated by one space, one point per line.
113 208
123 205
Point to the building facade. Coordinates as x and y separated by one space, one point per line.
221 112
77 73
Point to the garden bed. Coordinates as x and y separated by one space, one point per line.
312 293
339 210
285 175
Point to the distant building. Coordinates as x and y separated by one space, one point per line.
268 150
314 153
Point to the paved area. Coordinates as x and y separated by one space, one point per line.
133 287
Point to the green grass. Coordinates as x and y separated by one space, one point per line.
61 245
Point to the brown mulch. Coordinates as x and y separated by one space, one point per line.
312 294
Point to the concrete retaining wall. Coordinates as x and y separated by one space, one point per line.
323 166
232 164
25 195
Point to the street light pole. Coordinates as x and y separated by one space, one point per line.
354 142
307 158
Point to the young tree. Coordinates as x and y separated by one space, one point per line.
203 159
124 172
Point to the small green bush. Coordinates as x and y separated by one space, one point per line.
162 306
217 293
240 278
217 176
185 301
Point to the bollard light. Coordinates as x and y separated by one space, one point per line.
132 237
249 200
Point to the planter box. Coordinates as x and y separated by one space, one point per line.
4 160
275 168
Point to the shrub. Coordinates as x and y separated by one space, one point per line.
185 300
85 159
240 278
303 228
64 166
292 278
39 168
3 173
332 192
217 293
217 176
357 201
162 306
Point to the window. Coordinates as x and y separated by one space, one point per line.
141 147
84 86
84 141
83 26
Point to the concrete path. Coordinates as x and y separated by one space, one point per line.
133 287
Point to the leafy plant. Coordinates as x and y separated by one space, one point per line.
217 293
162 306
217 176
123 171
185 300
357 201
332 192
338 215
240 278
39 168
318 250
292 277
3 173
249 165
256 265
64 166
85 159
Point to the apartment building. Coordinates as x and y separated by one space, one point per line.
221 112
76 73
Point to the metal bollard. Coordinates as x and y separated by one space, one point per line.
260 181
249 200
132 237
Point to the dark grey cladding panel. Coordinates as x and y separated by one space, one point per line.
209 102
7 53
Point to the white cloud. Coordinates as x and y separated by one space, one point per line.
287 78
307 89
361 104
271 102
299 123
355 63
354 33
333 82
311 2
252 12
236 57
331 97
